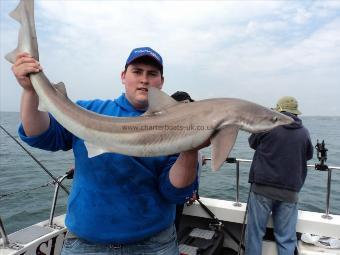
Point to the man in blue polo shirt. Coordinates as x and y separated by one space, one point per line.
117 202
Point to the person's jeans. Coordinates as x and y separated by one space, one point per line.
163 243
284 219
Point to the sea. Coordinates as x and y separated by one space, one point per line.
26 195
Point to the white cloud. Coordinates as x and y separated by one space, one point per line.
302 16
210 48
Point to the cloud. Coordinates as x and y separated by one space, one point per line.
302 16
210 48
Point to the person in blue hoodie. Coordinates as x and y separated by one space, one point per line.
118 204
277 174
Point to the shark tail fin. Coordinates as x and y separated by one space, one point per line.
24 14
10 57
15 14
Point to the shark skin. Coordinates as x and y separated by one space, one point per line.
168 127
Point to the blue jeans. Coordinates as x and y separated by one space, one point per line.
163 243
284 219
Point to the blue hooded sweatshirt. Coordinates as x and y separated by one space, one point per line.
281 155
114 198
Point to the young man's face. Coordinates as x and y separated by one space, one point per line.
137 79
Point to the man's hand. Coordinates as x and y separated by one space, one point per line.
34 121
192 199
24 65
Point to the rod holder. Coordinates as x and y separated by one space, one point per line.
329 179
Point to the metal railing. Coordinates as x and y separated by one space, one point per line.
237 161
57 183
329 169
5 241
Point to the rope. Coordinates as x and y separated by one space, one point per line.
24 190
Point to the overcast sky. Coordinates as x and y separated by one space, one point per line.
255 50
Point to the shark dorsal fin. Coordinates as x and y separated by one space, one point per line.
60 87
158 101
222 143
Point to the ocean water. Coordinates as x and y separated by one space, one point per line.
24 202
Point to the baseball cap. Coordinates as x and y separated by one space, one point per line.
145 52
181 96
288 104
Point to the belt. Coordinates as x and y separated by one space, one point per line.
112 246
115 246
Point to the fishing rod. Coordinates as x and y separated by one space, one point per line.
36 160
219 224
241 244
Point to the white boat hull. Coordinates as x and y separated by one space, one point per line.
48 240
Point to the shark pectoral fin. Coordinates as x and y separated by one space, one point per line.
158 101
93 150
222 143
60 87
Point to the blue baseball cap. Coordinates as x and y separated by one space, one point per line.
145 52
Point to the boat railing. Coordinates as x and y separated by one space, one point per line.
58 183
316 166
5 241
236 161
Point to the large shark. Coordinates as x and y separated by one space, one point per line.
168 127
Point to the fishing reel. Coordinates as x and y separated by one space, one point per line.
322 156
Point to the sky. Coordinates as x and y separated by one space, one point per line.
254 50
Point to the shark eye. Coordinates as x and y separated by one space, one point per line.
275 119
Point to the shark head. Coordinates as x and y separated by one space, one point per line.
264 119
252 117
240 114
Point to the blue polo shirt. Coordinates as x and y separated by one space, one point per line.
114 198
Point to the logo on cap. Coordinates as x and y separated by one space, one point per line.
142 52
